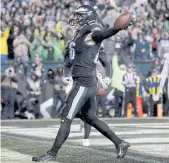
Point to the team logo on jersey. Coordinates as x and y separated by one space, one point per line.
89 40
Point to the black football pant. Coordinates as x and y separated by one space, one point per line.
87 130
81 99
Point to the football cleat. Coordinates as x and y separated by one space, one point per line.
44 158
122 149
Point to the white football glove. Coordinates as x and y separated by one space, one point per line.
67 80
105 82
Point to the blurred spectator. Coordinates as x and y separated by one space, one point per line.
154 46
4 34
28 34
157 64
152 86
54 46
20 67
9 87
38 46
129 81
163 46
34 93
142 48
20 44
37 67
59 94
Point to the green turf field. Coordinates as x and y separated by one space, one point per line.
149 138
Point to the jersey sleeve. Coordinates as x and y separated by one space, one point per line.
105 62
99 35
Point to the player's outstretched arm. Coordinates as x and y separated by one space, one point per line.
121 23
100 35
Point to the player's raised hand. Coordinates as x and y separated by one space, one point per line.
123 21
107 81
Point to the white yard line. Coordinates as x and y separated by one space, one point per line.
138 141
77 119
75 131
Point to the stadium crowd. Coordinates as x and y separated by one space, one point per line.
37 31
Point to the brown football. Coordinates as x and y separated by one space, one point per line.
122 21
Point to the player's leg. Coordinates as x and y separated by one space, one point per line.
87 130
89 114
73 103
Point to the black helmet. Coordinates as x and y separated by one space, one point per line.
83 15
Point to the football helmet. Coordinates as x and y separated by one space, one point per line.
83 15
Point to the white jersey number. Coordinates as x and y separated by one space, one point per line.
72 50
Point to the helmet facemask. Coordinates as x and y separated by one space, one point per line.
76 20
83 15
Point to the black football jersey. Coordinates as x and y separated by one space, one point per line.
82 54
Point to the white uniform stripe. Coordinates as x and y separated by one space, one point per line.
75 102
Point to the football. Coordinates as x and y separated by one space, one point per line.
122 21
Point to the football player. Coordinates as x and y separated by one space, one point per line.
81 58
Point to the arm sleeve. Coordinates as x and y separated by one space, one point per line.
164 74
105 62
67 63
100 35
